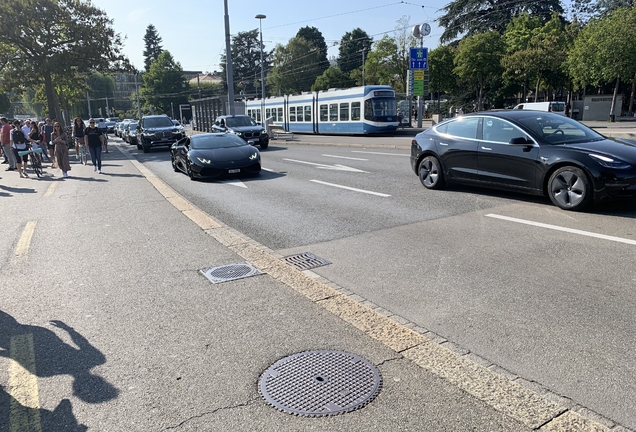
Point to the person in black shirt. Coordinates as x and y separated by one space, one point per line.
95 140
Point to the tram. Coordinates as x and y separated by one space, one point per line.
354 111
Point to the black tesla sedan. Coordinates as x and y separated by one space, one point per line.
534 152
214 155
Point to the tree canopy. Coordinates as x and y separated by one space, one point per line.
152 43
295 67
317 40
76 39
350 50
246 62
164 84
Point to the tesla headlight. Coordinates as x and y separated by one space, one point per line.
205 161
609 162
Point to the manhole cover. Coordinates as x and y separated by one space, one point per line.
230 272
320 383
306 261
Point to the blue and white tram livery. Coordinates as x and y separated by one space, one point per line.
358 110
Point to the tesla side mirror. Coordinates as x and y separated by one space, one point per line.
520 141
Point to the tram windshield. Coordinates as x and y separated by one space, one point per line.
381 108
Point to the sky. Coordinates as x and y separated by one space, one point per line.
194 31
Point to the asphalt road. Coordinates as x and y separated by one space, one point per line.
552 307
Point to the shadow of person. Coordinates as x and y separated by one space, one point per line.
19 417
55 357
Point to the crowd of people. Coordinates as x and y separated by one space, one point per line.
49 136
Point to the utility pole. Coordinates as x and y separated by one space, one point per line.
228 62
137 91
88 101
363 67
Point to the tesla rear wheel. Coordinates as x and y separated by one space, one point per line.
431 175
569 188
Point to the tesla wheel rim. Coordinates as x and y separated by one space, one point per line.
429 172
568 189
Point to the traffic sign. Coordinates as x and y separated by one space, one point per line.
419 58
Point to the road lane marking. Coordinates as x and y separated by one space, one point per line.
50 190
24 412
568 230
350 188
378 153
323 166
234 183
22 249
345 157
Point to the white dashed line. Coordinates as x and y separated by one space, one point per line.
350 188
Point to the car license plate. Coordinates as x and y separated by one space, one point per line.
232 171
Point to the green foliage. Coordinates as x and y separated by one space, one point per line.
478 62
332 78
472 17
164 83
350 50
54 43
246 62
295 67
5 103
152 43
317 40
605 49
441 62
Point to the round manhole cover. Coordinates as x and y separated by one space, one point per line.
320 383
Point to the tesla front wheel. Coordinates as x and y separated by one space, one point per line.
569 188
431 175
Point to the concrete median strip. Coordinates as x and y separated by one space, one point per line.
514 400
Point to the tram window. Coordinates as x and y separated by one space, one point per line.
280 114
249 113
258 115
355 110
299 113
292 114
268 113
308 113
333 112
368 109
324 113
344 111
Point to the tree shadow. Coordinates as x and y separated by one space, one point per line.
60 419
14 190
54 357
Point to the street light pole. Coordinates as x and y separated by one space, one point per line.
260 18
228 62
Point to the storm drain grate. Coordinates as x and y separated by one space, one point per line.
320 383
306 261
230 272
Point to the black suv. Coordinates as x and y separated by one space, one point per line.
157 131
243 126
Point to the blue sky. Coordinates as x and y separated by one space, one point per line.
194 31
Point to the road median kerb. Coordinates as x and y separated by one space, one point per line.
508 397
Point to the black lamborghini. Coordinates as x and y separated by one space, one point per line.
213 155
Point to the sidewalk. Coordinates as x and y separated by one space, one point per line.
128 335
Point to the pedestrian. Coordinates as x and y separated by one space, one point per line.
47 130
400 118
102 126
78 135
95 141
60 141
18 144
36 140
5 140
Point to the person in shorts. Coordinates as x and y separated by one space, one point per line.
78 134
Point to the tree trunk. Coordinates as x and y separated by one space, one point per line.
525 90
612 115
51 97
479 99
536 89
631 98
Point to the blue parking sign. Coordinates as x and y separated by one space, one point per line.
419 58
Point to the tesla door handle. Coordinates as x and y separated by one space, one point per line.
485 148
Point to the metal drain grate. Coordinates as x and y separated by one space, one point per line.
320 383
230 272
306 261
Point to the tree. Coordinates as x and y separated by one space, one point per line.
586 9
332 78
164 84
76 39
317 40
350 50
441 62
472 17
5 103
478 62
295 67
246 62
605 51
153 47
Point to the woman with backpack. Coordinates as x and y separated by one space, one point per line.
19 143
